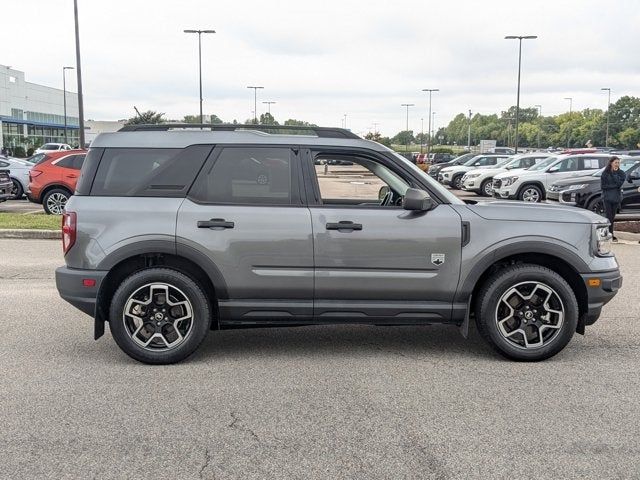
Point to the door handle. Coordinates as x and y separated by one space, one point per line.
215 223
344 225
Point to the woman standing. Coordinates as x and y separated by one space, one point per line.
611 183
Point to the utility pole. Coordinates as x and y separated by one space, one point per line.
79 76
64 99
539 107
421 133
255 104
469 133
570 112
606 141
200 32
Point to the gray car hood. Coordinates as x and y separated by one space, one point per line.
534 212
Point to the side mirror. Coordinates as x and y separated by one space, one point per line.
383 192
417 200
554 169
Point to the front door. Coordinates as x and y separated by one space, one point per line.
375 261
631 191
244 213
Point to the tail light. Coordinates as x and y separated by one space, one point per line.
33 174
69 227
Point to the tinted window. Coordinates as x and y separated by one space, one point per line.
148 172
247 176
67 162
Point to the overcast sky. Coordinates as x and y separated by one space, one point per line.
321 60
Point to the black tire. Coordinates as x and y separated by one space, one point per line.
456 182
483 188
16 190
527 192
200 323
487 311
54 201
596 206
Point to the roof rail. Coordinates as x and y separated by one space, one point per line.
324 132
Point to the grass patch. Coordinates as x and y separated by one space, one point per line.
32 221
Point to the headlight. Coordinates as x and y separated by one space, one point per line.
572 187
445 174
603 239
509 181
472 175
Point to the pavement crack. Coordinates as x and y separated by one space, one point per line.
207 460
236 424
191 407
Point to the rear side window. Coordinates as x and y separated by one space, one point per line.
148 172
69 162
248 176
593 163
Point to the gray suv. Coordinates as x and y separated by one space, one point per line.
174 231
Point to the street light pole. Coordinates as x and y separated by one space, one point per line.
421 133
430 90
570 111
406 147
469 133
606 141
79 76
64 99
255 103
200 32
269 106
519 38
434 131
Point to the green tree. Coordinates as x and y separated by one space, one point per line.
298 123
146 118
267 119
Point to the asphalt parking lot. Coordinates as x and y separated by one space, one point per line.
316 402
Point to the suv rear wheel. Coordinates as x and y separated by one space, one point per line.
596 206
486 189
159 316
456 182
17 191
55 200
527 312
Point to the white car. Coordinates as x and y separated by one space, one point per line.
531 185
19 173
480 180
452 176
52 147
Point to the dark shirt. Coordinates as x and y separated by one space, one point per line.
611 183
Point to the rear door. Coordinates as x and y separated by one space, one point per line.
631 191
245 215
375 261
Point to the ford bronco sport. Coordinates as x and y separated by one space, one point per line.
176 230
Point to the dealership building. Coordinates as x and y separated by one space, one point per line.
33 114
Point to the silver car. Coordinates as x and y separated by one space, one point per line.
174 231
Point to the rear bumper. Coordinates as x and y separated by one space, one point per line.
69 282
599 296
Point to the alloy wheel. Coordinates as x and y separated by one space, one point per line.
530 315
158 317
531 195
56 203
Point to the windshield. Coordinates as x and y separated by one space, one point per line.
443 192
625 166
49 146
543 164
502 163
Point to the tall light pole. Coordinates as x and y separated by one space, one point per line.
421 133
345 120
539 107
570 111
268 104
255 103
79 76
430 90
200 32
519 38
606 138
406 147
64 99
469 133
433 118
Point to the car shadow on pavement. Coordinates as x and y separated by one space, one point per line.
414 342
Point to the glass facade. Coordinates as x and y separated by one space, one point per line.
32 136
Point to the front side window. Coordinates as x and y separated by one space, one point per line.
358 181
568 165
244 175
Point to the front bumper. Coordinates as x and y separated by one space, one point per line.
599 295
70 285
505 192
5 191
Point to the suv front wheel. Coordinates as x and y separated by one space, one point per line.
530 193
527 312
159 316
55 200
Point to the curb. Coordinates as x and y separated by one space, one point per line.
630 237
31 234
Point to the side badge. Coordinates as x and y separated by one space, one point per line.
437 259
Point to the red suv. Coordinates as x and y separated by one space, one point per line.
53 180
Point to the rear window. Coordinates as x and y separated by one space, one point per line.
148 172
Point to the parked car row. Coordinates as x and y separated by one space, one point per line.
45 178
570 177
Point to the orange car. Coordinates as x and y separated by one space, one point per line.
53 180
